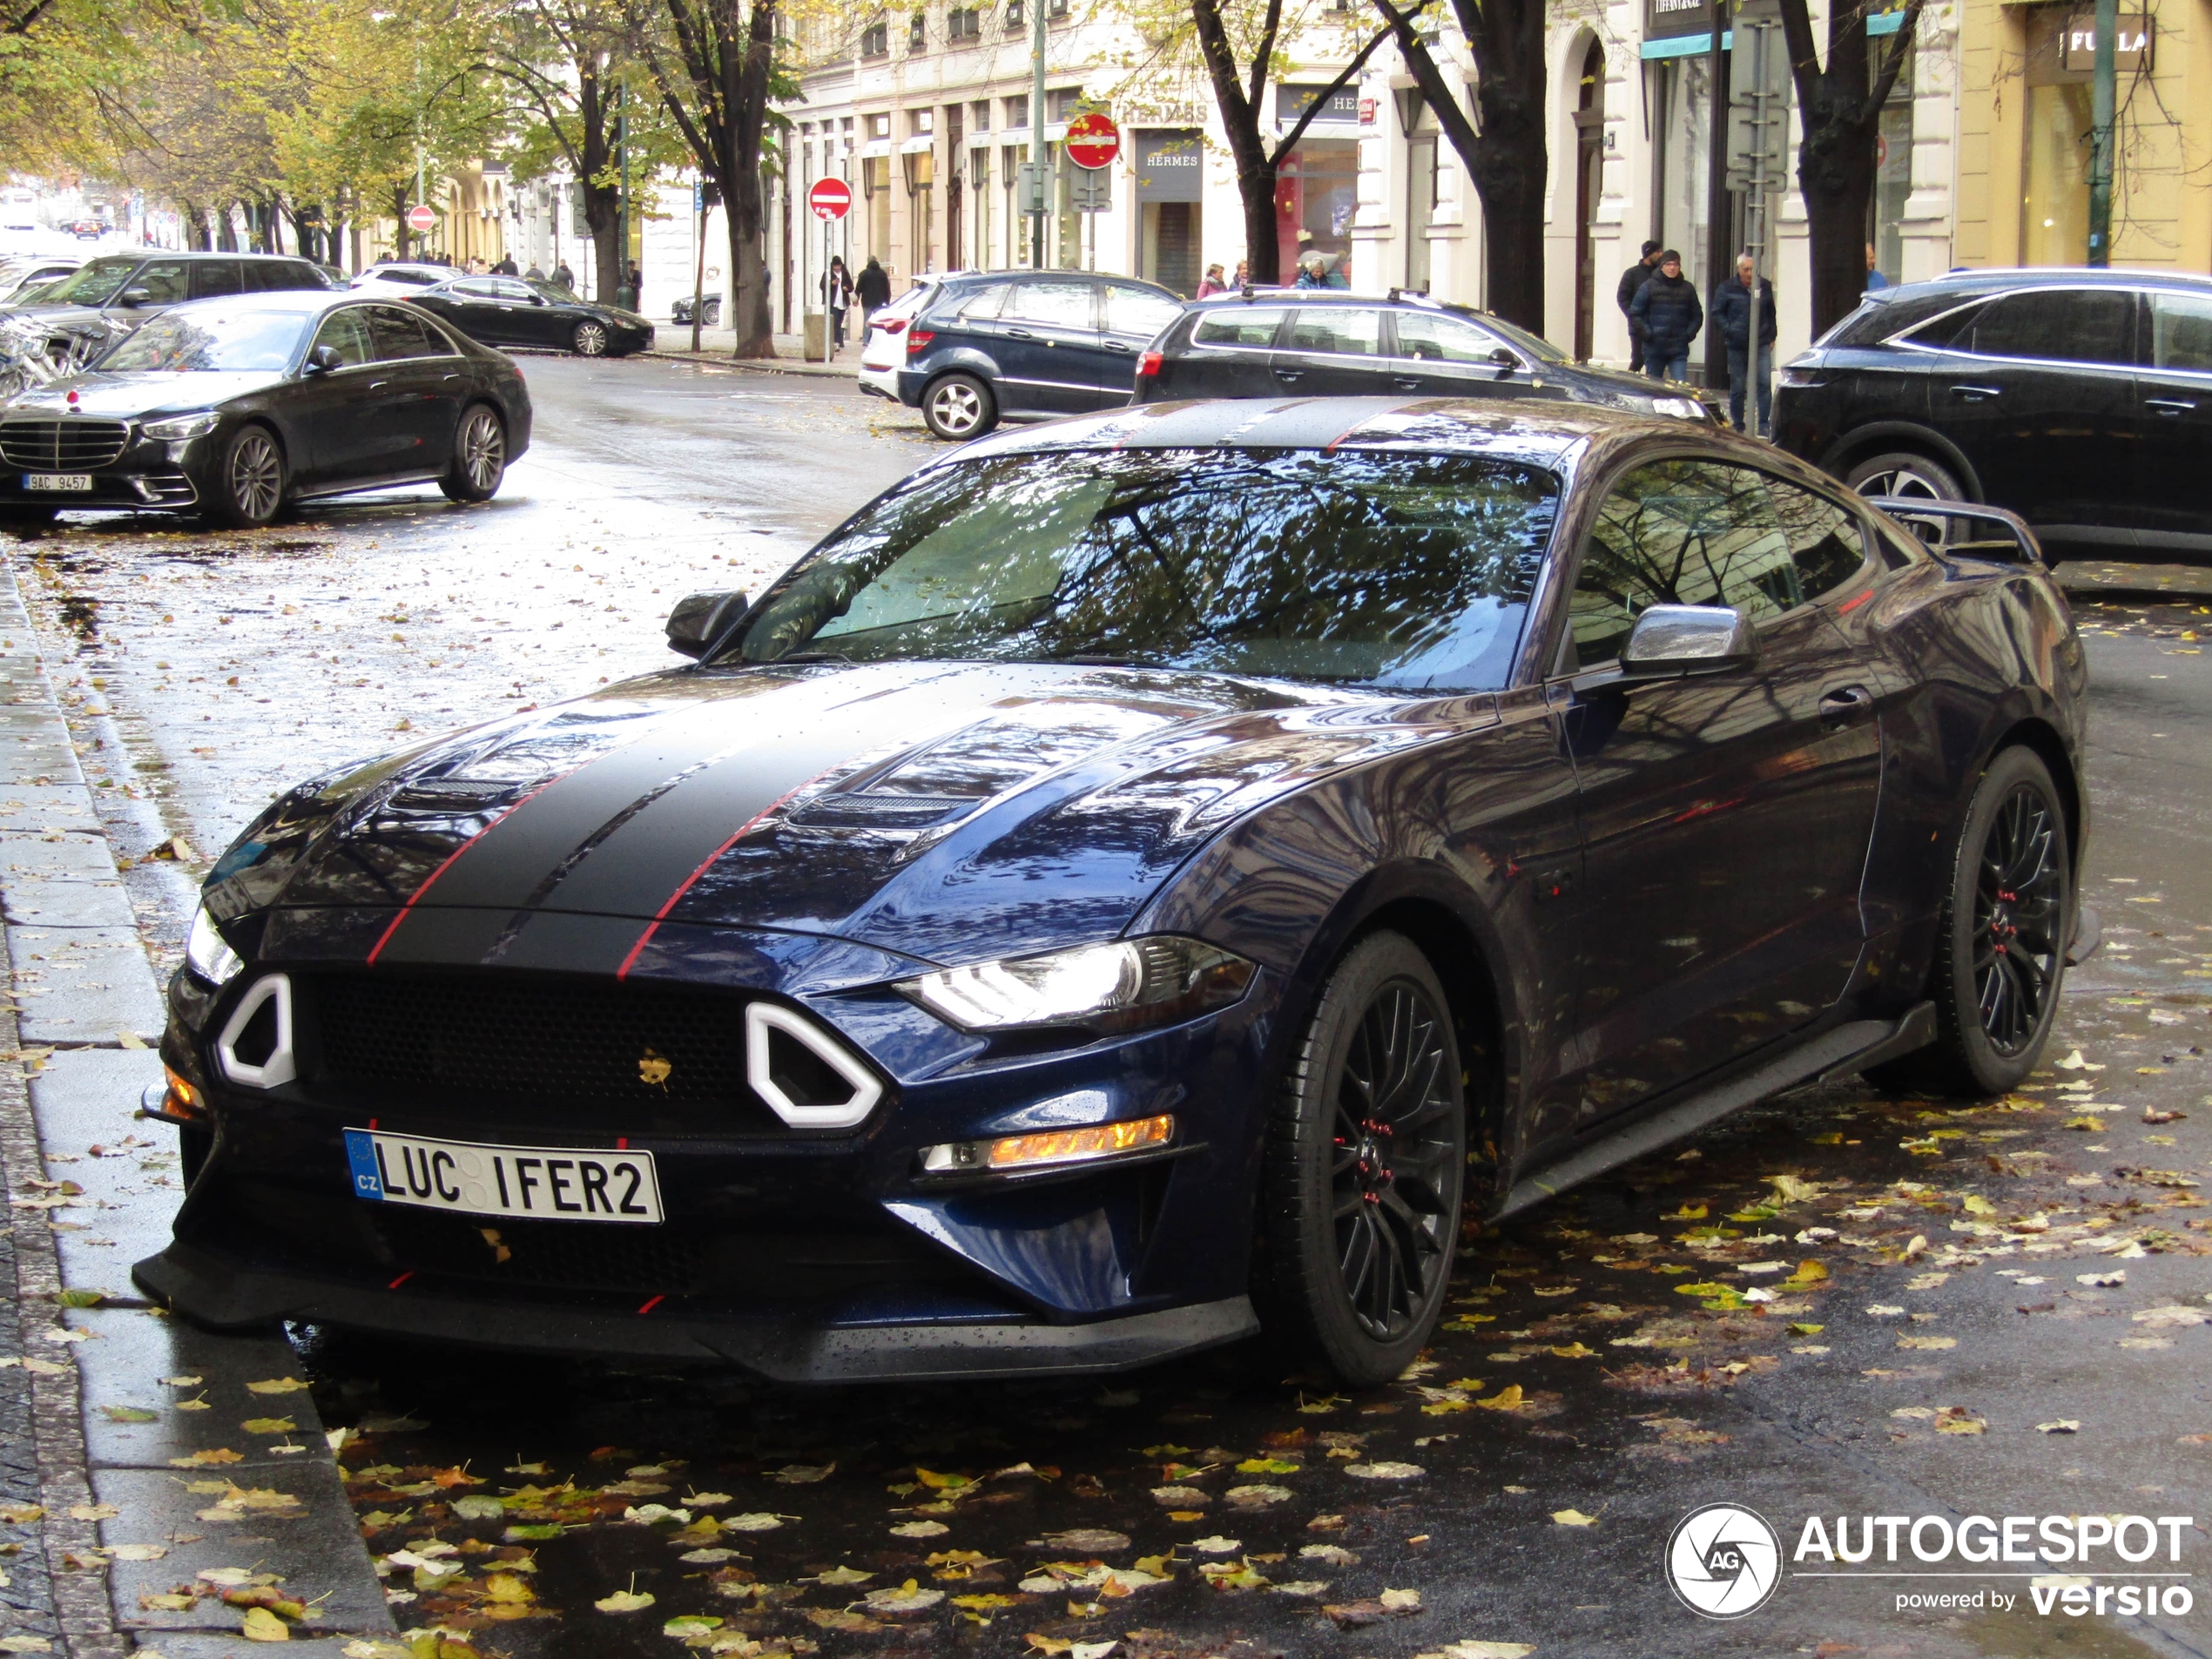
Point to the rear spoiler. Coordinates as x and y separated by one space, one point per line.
1964 530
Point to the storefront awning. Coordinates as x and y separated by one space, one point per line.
876 147
918 144
1882 22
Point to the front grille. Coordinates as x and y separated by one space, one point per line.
61 446
544 1038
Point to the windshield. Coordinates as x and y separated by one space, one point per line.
96 284
230 339
1536 345
552 291
1404 572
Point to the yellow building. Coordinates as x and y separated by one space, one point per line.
2024 91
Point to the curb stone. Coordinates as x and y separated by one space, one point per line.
84 995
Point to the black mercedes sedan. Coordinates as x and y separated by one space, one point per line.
236 408
514 311
84 313
1320 343
1136 880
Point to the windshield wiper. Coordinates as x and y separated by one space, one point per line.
1090 659
807 656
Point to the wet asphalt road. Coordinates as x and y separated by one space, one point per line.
1929 1263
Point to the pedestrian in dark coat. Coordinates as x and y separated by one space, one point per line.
1732 316
837 289
1667 306
873 289
1632 280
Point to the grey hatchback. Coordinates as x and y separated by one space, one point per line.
1028 346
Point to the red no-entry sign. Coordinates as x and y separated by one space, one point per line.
1093 141
419 217
830 198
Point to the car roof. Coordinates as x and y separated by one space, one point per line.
305 301
1439 425
1997 279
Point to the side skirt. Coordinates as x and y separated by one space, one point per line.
1849 1048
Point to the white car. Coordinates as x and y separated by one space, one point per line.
883 348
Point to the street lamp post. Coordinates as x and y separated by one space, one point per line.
2103 98
1037 133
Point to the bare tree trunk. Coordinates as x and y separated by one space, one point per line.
226 231
403 239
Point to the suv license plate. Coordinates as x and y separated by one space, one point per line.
549 1183
58 480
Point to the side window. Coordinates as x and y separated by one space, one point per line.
1675 533
2064 325
344 331
398 334
517 293
1055 303
1137 312
984 304
481 288
1239 326
162 279
1826 546
2180 331
212 278
1442 339
1343 330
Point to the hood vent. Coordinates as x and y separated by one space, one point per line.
883 811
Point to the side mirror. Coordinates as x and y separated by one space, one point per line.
133 297
699 618
1506 360
323 359
1673 640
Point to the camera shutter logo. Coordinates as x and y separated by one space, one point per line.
1723 1561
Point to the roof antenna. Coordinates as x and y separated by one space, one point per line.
1247 291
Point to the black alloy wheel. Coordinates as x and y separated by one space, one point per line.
1365 1157
479 456
2001 939
2020 907
249 483
1906 475
590 338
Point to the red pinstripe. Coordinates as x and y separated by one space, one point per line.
691 880
385 938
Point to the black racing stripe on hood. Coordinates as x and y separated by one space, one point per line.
622 837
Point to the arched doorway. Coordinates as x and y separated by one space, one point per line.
1589 184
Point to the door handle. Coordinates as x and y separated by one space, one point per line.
1844 703
1018 333
378 386
450 377
1407 384
1977 394
2171 406
1289 375
1116 345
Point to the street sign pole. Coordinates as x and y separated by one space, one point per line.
829 200
1758 149
699 263
1036 204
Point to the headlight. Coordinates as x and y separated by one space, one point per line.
1807 377
1102 987
181 426
205 954
1684 408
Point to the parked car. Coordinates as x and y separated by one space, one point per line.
1134 873
399 274
2080 398
883 340
514 311
1027 346
1319 342
110 296
710 311
238 407
19 279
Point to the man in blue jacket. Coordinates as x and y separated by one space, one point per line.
1732 315
1666 308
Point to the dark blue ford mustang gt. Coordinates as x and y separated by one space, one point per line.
1137 880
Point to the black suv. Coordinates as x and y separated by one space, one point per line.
1265 342
2082 399
1028 346
111 296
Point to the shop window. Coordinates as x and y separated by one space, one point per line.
1317 194
1893 168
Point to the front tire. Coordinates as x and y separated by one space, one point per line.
479 456
2001 937
590 339
249 480
1903 473
959 407
1366 1152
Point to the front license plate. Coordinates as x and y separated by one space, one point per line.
555 1182
58 480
